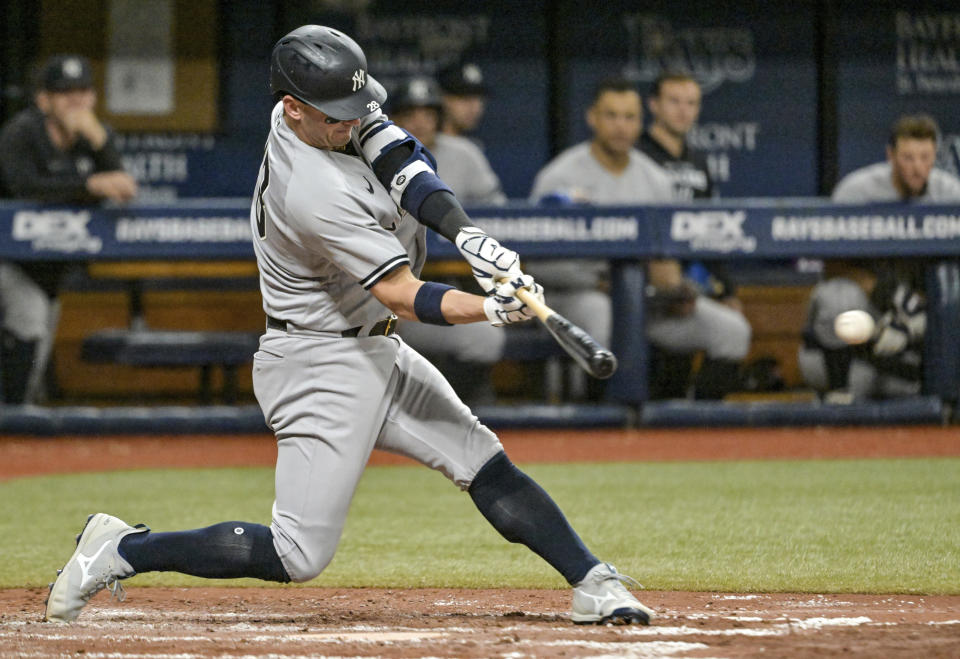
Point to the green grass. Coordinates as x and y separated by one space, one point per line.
810 526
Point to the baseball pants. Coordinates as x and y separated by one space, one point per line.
331 401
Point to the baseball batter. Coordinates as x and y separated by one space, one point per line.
339 215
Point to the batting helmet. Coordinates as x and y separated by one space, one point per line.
327 70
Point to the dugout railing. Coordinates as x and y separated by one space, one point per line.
738 231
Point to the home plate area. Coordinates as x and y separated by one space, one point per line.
181 623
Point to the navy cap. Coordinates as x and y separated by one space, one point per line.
463 79
62 73
415 92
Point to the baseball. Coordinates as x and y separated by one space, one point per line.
854 326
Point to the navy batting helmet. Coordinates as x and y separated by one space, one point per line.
327 70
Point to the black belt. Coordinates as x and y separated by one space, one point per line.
385 327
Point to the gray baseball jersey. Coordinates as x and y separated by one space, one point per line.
874 183
325 231
577 174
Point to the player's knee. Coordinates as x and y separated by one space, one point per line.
304 555
305 565
729 338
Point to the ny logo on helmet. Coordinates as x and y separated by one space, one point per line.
358 79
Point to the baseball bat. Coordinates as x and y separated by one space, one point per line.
592 357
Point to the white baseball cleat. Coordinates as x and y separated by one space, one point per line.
95 565
601 598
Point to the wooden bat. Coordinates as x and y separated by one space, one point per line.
594 359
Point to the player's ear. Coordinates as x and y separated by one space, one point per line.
292 107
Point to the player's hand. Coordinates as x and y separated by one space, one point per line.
892 337
85 123
504 308
509 287
489 260
115 186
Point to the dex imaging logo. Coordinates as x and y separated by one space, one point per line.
712 231
56 231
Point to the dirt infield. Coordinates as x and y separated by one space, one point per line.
282 622
184 623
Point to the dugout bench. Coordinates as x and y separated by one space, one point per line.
141 346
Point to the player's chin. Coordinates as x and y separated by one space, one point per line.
339 140
916 186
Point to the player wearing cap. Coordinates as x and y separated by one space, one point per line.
54 152
464 98
337 259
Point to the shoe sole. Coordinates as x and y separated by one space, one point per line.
619 617
46 602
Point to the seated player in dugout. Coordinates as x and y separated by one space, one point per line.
676 335
465 354
339 217
890 364
54 152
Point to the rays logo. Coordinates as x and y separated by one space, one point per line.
714 55
712 231
359 79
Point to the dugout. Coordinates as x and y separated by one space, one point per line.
765 229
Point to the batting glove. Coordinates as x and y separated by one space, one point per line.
892 338
489 260
503 307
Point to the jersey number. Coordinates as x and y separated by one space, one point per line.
261 212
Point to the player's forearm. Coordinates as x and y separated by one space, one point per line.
460 307
413 299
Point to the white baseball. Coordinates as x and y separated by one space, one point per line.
854 327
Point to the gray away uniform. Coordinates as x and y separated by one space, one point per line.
327 233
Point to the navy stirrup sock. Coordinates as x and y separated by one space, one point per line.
523 512
223 551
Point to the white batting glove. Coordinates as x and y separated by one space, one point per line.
489 260
891 337
504 308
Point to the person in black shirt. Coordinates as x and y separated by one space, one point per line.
55 152
674 330
674 104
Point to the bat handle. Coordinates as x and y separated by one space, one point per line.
539 308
